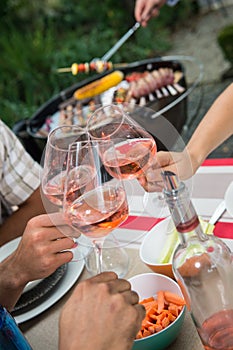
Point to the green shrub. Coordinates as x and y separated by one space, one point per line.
37 37
225 41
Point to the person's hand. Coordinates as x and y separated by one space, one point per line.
179 163
145 9
102 313
41 249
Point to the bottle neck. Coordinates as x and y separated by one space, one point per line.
184 215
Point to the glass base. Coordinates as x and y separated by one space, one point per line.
113 259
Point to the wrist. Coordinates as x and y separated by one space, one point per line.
12 276
196 158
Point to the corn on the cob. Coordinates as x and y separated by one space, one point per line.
99 86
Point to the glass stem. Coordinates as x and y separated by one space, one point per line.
98 245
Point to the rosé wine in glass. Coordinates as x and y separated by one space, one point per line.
134 146
95 204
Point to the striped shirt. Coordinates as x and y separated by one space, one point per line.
19 173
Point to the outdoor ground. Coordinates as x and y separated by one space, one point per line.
199 40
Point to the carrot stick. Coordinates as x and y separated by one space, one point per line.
173 298
160 298
160 312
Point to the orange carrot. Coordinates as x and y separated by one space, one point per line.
173 298
160 312
160 298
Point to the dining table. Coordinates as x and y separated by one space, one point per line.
207 188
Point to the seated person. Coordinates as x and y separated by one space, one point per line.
103 306
39 252
19 186
104 301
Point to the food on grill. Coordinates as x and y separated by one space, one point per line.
145 83
99 86
145 87
75 112
95 66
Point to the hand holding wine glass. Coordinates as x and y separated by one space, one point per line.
135 148
94 202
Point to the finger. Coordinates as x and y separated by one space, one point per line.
47 235
68 231
141 310
104 277
119 286
61 244
64 257
48 220
139 8
131 297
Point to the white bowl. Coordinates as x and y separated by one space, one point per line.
155 246
147 285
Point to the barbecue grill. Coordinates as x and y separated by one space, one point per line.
164 107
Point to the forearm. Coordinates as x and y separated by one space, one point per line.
11 285
14 226
215 127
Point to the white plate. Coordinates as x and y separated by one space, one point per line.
229 199
73 272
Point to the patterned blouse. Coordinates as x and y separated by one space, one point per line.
19 173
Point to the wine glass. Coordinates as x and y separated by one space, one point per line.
53 174
135 147
94 203
136 151
55 160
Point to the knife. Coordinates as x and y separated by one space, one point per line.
221 208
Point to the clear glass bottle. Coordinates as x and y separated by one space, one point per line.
203 267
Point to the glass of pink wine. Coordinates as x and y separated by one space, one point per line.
55 160
134 146
94 203
54 170
136 151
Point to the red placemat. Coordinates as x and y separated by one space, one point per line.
218 162
146 223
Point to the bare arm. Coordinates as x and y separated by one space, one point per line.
38 255
14 225
214 128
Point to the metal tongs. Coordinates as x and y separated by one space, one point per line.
120 42
110 53
123 39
